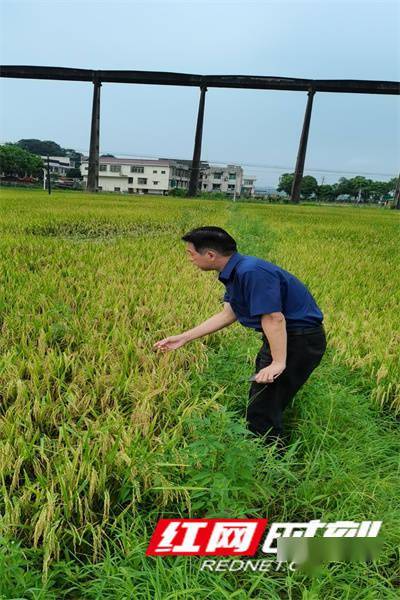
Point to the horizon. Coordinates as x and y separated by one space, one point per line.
350 134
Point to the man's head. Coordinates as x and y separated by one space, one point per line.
209 248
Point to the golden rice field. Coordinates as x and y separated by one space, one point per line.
97 428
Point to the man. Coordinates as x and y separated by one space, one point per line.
266 298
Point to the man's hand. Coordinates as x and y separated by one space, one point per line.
222 319
270 373
171 343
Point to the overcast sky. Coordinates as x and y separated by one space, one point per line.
260 129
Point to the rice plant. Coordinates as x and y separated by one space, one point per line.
100 436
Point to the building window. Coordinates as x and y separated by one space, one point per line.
137 169
99 188
130 179
231 187
217 175
117 189
216 186
154 171
142 180
232 175
162 172
115 168
102 167
204 186
130 190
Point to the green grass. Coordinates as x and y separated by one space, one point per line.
100 437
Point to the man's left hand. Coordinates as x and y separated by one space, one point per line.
270 373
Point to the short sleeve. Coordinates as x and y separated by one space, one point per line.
262 292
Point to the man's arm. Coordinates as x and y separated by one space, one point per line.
219 321
274 327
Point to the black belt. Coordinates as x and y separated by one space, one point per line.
302 330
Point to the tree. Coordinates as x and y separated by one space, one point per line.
17 161
345 186
361 186
326 192
285 183
75 156
42 147
308 187
379 189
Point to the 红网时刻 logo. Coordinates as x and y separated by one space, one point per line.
243 537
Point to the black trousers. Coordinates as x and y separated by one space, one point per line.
305 349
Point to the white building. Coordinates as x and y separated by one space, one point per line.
158 176
248 188
138 175
227 180
59 165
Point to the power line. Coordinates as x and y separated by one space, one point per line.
273 168
277 168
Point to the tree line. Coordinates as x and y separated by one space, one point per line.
356 188
24 159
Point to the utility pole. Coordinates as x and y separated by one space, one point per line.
321 184
48 175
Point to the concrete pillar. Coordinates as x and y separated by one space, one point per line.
93 171
295 193
397 194
195 170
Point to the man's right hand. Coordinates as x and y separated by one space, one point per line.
171 343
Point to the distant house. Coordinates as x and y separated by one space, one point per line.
59 165
225 179
248 186
138 175
160 175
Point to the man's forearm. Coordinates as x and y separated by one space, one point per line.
214 323
275 330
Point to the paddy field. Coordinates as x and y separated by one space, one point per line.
100 436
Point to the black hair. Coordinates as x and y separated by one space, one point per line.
211 237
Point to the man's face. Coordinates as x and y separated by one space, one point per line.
205 262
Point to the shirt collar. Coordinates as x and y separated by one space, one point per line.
230 265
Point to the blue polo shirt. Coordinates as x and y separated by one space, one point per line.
255 287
